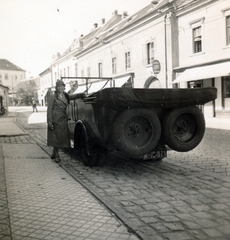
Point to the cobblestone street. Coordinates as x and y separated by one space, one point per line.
184 196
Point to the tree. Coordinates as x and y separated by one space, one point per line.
26 91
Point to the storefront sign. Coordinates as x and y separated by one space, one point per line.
156 66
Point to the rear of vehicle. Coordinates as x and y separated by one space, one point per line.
139 123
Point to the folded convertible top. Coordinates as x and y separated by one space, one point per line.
157 98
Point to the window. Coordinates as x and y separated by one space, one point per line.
60 73
100 69
127 61
150 52
114 65
0 76
228 30
197 40
6 75
15 77
64 73
76 70
67 71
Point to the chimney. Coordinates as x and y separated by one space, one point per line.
115 12
125 14
103 21
95 25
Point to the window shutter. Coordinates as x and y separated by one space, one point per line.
152 51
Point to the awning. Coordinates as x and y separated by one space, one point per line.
80 89
118 82
96 86
199 73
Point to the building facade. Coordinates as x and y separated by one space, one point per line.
45 86
204 53
10 76
124 45
4 100
163 45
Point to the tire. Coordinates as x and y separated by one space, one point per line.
136 131
87 158
184 128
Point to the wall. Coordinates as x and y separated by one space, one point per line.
213 34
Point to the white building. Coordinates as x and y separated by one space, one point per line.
10 76
164 43
46 84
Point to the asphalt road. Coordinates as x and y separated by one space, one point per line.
184 196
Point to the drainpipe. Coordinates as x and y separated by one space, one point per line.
166 62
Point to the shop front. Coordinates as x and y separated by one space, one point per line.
212 75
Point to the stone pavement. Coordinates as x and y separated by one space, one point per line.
185 196
40 200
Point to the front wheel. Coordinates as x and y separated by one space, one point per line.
184 128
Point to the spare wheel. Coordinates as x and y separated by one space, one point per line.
184 128
136 131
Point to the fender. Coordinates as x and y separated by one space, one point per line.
80 128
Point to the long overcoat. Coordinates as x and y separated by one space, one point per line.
56 114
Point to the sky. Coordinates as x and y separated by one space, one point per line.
32 31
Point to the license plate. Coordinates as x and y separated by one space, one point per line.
155 155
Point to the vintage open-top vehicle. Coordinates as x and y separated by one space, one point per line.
138 123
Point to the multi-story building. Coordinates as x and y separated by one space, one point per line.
176 43
123 46
10 76
204 51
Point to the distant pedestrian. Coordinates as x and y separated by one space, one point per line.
57 119
34 105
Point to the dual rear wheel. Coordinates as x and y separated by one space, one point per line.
136 132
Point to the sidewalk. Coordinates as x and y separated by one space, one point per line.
218 123
40 200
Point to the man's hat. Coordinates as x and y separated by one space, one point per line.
60 82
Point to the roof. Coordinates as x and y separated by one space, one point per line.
119 23
45 71
7 65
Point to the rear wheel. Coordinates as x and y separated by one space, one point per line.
184 128
136 131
